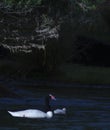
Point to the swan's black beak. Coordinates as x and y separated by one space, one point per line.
52 97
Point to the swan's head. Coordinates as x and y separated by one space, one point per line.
49 114
47 102
52 97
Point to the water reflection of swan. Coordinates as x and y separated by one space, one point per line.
34 113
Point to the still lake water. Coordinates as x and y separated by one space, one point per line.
87 109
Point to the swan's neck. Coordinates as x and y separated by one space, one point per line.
47 104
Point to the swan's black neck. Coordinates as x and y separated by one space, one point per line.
47 103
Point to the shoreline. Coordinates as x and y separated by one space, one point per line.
49 83
19 88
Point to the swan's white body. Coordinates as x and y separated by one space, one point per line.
32 113
60 111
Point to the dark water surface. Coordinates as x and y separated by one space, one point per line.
87 109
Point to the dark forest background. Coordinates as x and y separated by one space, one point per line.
55 39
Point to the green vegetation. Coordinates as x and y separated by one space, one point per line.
78 73
21 3
66 30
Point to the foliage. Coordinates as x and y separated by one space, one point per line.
72 17
21 3
78 73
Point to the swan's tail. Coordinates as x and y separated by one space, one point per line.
11 113
15 114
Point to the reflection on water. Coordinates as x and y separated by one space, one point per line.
86 110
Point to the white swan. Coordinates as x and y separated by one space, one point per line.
60 111
34 113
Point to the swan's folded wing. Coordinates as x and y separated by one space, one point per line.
30 113
60 111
